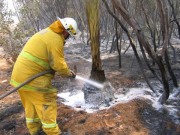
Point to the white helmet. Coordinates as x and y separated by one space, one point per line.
70 25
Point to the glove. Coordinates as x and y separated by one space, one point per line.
73 74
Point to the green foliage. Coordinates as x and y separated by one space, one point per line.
5 23
5 18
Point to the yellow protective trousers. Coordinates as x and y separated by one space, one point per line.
40 111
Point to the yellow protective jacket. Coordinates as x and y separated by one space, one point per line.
44 50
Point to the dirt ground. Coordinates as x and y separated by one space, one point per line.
136 117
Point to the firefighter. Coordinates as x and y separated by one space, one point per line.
43 51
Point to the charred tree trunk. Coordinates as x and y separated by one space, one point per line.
165 94
170 70
92 9
97 73
174 16
117 45
113 45
94 95
117 41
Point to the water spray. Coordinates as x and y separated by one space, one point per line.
96 84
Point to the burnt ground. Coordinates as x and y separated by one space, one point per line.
136 117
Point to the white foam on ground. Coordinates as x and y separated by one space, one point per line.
77 101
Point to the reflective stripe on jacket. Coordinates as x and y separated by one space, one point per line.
43 51
35 59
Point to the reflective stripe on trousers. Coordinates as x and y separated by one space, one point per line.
29 120
45 125
49 125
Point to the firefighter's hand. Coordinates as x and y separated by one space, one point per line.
73 74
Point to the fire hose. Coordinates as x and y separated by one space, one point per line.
27 81
98 85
